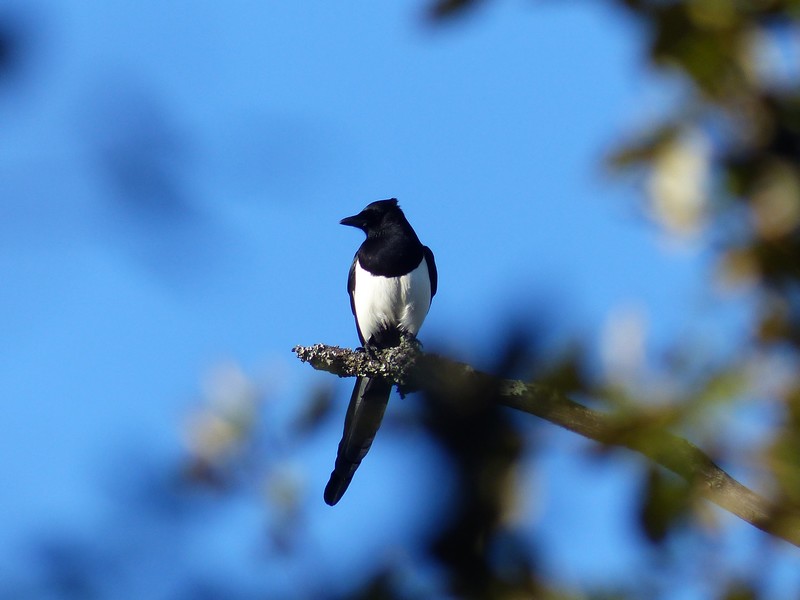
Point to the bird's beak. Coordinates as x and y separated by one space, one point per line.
354 221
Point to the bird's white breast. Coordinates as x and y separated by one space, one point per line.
401 302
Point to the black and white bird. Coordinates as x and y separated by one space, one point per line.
391 283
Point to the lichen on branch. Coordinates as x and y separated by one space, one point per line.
413 370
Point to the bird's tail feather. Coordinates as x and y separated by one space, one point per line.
364 415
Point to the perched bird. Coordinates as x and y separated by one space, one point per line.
391 283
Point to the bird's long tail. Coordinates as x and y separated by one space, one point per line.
364 415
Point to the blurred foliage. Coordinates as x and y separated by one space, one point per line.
665 501
719 166
15 37
484 449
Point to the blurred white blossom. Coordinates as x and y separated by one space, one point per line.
215 431
679 183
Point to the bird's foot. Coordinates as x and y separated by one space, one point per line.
372 351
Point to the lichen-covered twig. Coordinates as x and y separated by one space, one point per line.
413 370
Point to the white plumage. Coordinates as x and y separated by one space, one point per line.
382 302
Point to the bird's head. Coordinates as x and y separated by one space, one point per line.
375 216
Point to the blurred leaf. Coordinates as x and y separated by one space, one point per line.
18 33
644 150
566 374
664 504
315 410
740 590
445 9
785 452
484 447
8 48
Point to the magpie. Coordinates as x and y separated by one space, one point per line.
391 284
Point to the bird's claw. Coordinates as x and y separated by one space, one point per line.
372 351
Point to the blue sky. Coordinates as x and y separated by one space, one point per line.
259 125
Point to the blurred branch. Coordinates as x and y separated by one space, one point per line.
413 370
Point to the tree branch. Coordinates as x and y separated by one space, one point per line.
413 370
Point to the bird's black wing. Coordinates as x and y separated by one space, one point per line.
364 415
351 291
431 270
351 284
